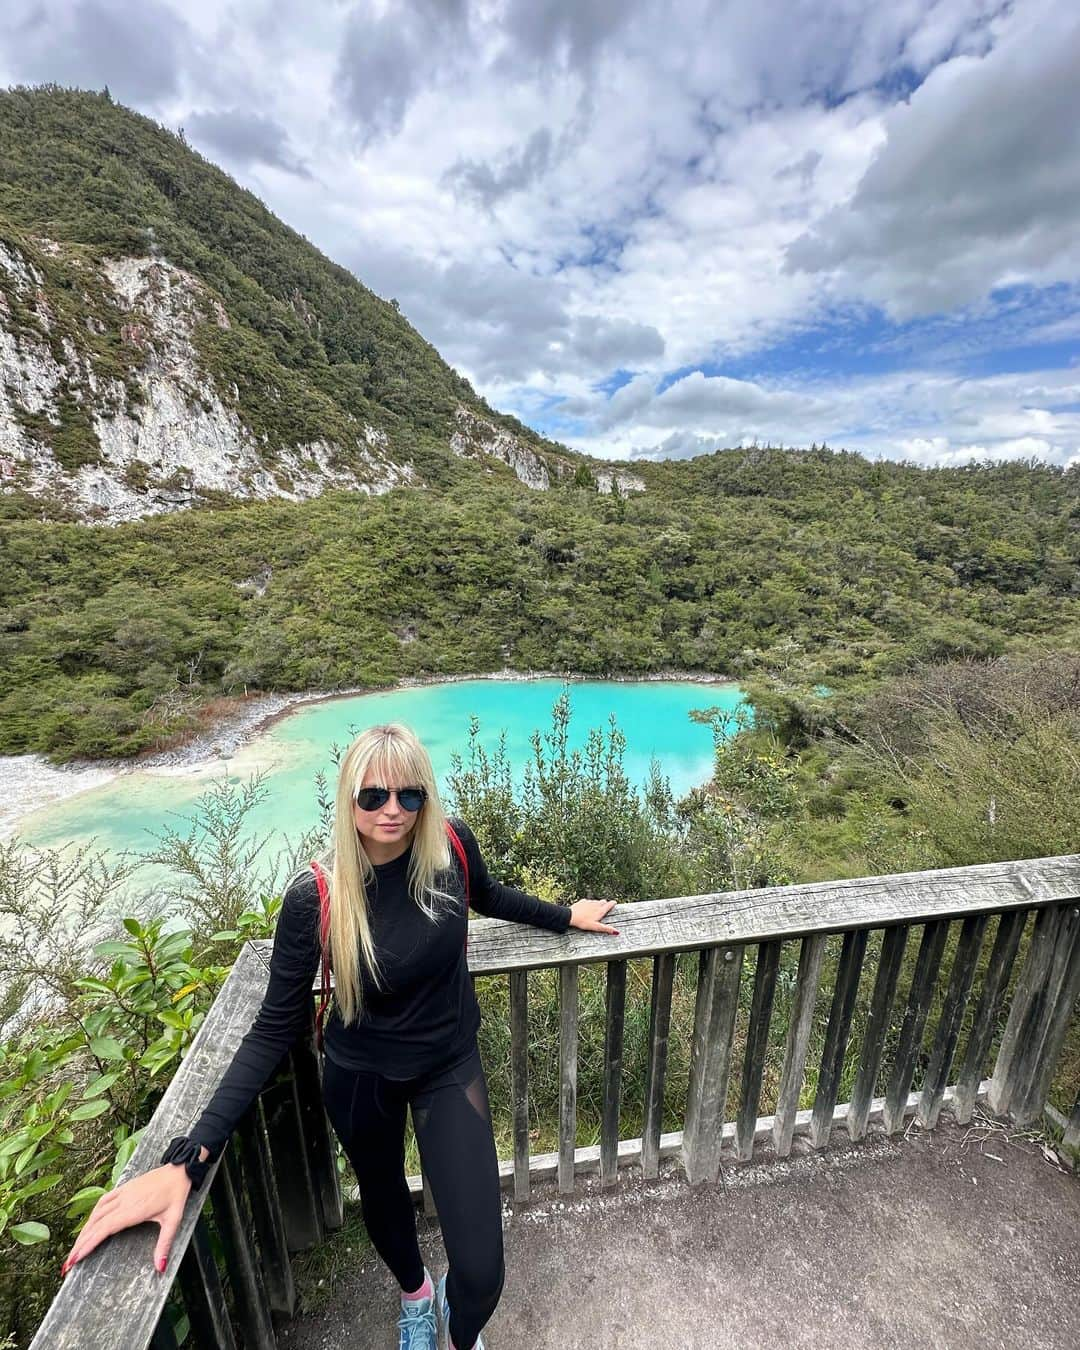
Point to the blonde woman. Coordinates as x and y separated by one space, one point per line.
402 1033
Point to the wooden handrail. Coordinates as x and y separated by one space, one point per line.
116 1298
781 912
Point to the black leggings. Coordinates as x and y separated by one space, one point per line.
457 1150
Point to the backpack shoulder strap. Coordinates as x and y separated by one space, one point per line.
324 950
459 849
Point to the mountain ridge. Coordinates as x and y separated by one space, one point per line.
165 341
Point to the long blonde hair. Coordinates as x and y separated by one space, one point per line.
395 755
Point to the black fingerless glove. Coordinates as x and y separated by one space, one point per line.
185 1152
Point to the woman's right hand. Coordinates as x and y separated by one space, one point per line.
158 1196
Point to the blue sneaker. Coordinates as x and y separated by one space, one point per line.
442 1312
417 1327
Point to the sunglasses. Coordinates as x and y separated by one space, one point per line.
372 798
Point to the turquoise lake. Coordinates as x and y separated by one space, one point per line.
652 715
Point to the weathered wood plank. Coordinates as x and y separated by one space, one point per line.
952 1016
757 1042
800 1025
615 1004
710 1060
920 996
266 1211
544 1166
319 1139
300 1206
845 992
115 1296
568 1059
204 1296
519 1067
241 1263
663 977
1042 1007
892 954
995 983
684 923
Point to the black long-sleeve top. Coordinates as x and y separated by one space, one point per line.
422 1013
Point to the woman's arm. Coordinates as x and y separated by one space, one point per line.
497 901
281 1019
160 1194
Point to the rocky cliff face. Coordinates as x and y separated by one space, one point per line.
107 404
164 434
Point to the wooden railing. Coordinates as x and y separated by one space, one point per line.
276 1188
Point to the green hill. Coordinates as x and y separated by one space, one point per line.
146 300
293 345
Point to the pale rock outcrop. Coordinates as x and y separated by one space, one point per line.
179 438
476 436
627 482
170 433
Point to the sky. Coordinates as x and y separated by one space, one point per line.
652 228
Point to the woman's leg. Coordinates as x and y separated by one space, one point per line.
457 1148
368 1115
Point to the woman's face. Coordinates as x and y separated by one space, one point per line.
387 830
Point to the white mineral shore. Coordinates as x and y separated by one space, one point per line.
28 783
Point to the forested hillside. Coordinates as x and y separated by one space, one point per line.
116 640
146 299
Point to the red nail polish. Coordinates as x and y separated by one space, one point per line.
160 1263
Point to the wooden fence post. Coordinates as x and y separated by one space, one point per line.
1039 1017
893 943
204 1297
519 1062
320 1141
841 1010
568 1064
663 977
245 1274
615 1005
710 1060
266 1211
800 1024
300 1207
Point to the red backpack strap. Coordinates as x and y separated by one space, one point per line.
324 948
459 849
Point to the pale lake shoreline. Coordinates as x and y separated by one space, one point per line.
30 782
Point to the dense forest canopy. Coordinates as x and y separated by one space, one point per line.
117 640
112 639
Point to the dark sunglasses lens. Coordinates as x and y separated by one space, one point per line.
372 798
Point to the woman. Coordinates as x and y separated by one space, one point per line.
402 1032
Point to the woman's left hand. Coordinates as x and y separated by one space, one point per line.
587 914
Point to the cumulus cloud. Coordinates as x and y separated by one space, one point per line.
245 138
504 326
139 51
924 416
488 184
682 204
387 59
563 32
977 184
